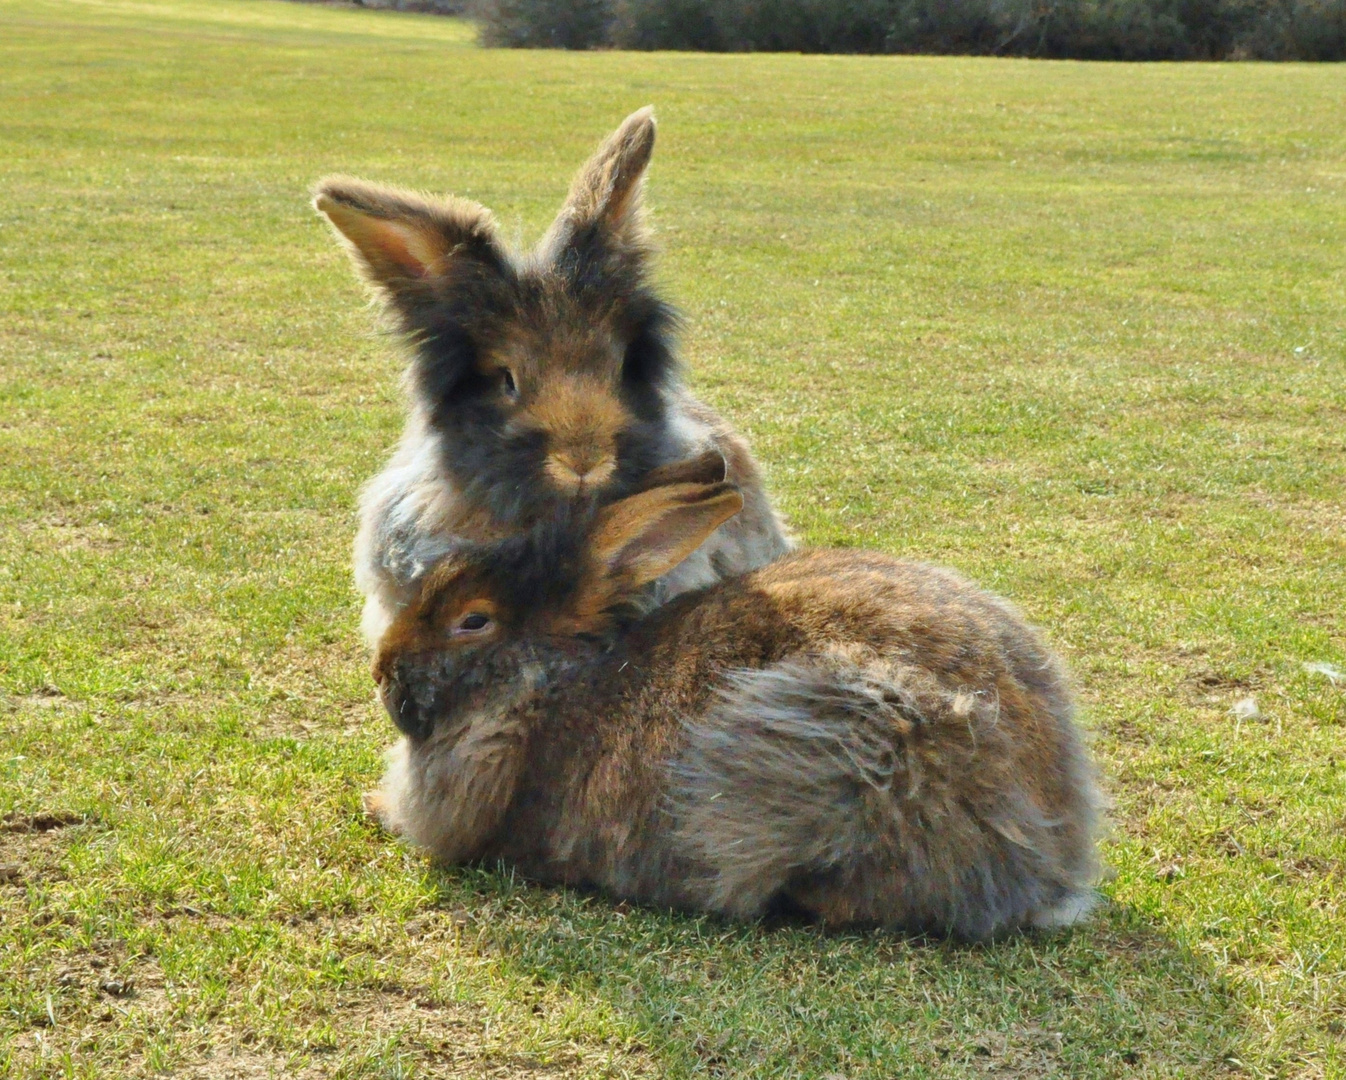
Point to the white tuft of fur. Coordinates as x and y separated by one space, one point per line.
1075 908
1333 673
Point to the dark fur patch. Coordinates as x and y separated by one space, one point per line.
650 365
451 328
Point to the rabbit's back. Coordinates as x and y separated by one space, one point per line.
874 740
914 761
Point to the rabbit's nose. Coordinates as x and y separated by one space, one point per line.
575 470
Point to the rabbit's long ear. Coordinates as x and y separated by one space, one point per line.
407 245
645 536
604 202
706 468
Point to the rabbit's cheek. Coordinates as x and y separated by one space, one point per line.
519 426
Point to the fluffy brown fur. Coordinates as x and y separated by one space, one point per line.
535 379
870 740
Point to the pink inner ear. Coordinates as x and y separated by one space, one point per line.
673 532
384 243
406 247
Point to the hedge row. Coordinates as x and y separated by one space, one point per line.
1077 29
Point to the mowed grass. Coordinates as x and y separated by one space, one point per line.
1077 330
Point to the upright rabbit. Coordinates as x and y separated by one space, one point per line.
534 379
871 740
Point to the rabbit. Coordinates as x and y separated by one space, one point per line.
843 734
534 378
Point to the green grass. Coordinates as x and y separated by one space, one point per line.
1079 330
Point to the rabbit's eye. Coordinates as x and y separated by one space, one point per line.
474 622
508 384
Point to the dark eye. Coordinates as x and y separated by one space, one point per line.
508 384
472 623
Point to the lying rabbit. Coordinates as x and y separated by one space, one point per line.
870 740
534 378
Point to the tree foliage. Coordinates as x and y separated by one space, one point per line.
1078 29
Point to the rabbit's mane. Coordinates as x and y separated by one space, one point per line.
540 568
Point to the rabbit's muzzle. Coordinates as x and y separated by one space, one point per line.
574 471
413 716
582 419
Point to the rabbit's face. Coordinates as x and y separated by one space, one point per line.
488 616
445 663
492 615
549 395
546 377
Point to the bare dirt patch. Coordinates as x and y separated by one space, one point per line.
31 845
240 1063
40 822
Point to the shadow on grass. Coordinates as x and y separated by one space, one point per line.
706 997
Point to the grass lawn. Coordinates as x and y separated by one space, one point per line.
1078 330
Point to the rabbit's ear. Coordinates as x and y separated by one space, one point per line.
706 468
605 196
645 536
405 244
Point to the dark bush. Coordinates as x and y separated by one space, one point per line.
1079 29
544 24
434 7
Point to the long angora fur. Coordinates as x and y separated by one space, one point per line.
876 779
870 740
